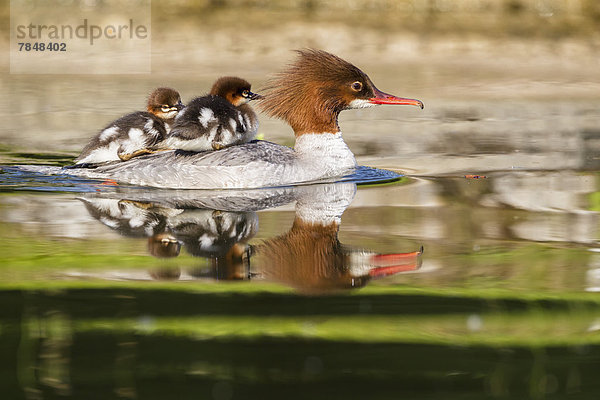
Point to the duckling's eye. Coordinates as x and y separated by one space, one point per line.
357 86
246 93
165 107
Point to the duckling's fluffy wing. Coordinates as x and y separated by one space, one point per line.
127 134
208 123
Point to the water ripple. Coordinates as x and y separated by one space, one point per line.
15 178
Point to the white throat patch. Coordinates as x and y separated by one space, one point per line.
360 103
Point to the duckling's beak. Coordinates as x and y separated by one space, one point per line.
177 107
384 98
254 96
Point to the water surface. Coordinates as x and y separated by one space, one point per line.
121 292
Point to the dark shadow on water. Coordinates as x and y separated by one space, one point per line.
61 362
102 364
131 303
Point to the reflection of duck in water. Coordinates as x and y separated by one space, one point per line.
133 134
309 257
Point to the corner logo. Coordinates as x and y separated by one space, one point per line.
83 31
80 37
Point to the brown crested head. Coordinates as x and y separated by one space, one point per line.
165 103
312 91
233 89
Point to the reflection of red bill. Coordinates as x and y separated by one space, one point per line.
390 264
109 182
475 176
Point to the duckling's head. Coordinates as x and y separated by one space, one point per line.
312 91
165 103
233 89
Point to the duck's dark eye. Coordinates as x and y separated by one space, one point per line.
245 93
357 86
165 107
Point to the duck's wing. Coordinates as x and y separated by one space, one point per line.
254 164
142 133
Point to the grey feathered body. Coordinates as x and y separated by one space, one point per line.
261 163
257 164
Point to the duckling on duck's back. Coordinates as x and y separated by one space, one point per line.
135 133
221 119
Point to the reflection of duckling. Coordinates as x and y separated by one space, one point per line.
130 218
213 122
163 245
209 233
133 134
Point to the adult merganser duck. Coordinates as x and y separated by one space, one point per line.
219 120
133 134
309 95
